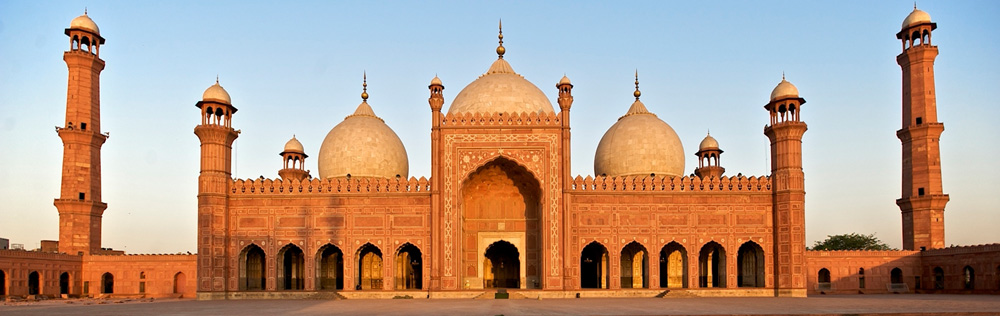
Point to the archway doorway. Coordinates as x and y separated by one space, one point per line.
673 266
369 268
3 283
253 270
330 268
750 265
107 283
896 276
501 201
292 268
180 283
712 265
502 266
33 283
594 266
408 263
938 278
969 278
64 283
634 266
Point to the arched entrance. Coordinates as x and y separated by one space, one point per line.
369 268
969 278
330 268
252 269
180 283
896 276
408 263
107 283
500 201
33 283
502 266
938 278
291 268
673 266
712 265
634 266
594 266
64 283
3 283
750 265
824 276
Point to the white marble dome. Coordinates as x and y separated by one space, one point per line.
708 143
783 90
639 144
362 146
916 17
501 90
84 22
216 93
294 146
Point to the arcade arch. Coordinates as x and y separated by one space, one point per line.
673 266
594 266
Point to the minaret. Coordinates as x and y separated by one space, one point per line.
788 195
294 159
436 102
923 201
79 203
216 135
708 159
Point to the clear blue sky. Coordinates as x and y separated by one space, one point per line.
295 68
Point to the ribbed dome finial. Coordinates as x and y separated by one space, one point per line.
364 87
637 93
500 49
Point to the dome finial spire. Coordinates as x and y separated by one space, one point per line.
216 78
85 8
637 93
364 87
782 75
500 49
914 5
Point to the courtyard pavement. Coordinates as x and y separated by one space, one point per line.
906 304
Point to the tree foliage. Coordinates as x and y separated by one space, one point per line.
852 241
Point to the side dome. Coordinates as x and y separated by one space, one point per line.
784 89
639 144
708 143
217 94
916 17
294 146
84 22
362 146
501 90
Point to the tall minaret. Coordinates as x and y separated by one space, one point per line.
922 202
79 203
788 195
216 135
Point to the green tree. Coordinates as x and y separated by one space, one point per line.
852 241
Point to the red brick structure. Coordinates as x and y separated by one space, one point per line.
500 208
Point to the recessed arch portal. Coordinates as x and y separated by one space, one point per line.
34 283
3 283
180 282
64 283
291 268
968 278
369 268
253 268
750 265
502 266
712 265
634 266
938 278
408 271
673 266
330 268
594 266
107 283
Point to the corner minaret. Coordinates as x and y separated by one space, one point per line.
79 203
788 193
216 135
923 201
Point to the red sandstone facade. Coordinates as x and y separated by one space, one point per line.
500 210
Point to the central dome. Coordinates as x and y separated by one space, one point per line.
501 90
639 144
362 146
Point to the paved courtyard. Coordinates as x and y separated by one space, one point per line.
816 305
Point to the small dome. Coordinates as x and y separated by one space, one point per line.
362 146
216 93
294 146
784 89
436 81
916 17
564 80
501 90
639 144
708 143
84 22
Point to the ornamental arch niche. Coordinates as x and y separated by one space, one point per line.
594 266
712 265
330 268
252 268
408 273
291 268
634 266
750 265
500 201
369 268
673 266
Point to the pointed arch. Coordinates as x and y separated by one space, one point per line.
107 283
594 266
369 267
712 265
750 265
896 276
408 272
502 266
634 266
34 283
291 268
180 283
64 283
968 278
253 268
673 266
330 268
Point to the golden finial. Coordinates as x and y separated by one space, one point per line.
500 49
216 79
637 93
364 87
782 76
914 5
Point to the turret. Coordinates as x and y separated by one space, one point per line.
294 159
708 158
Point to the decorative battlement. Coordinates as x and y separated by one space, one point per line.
672 184
356 185
861 253
501 119
957 250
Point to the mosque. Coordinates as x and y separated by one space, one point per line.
500 209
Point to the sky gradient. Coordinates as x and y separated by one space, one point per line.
295 68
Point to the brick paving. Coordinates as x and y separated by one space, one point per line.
897 305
